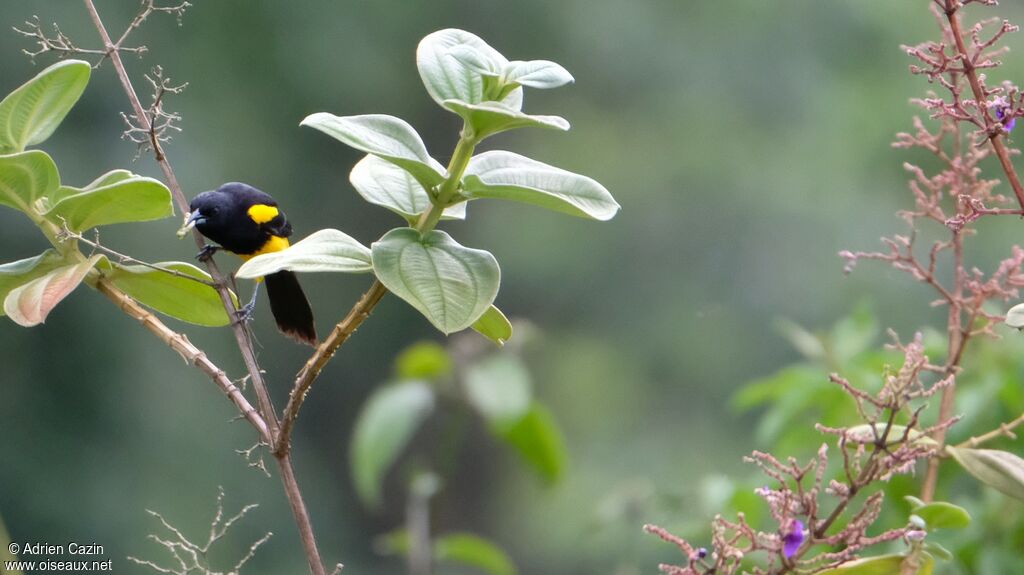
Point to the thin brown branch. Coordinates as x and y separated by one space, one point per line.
951 9
1004 430
341 332
67 234
189 352
241 334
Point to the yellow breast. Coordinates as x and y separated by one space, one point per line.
274 244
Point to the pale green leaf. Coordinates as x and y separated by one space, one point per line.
494 326
423 360
450 284
107 179
172 295
30 303
1015 316
473 551
21 272
386 423
116 200
449 62
538 440
884 565
389 137
31 113
508 176
25 177
499 388
999 469
323 251
537 74
489 118
943 515
383 183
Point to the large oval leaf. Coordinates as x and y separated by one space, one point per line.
473 551
30 303
26 177
381 135
31 113
494 326
508 176
999 469
384 427
172 295
450 63
382 183
537 74
489 118
450 284
323 251
115 200
21 272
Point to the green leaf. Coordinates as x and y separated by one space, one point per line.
999 469
449 62
540 74
450 284
883 565
107 179
29 304
508 176
499 388
1015 316
323 251
26 177
178 297
389 137
21 272
938 551
537 439
113 200
384 427
382 183
942 515
474 551
423 360
31 113
494 326
489 118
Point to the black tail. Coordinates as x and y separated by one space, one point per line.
290 308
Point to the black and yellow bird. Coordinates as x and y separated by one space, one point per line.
247 223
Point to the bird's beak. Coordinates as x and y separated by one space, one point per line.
193 219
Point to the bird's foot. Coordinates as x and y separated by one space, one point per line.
207 252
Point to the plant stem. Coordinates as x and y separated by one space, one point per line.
1004 430
952 9
365 305
266 407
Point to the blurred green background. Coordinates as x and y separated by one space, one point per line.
747 142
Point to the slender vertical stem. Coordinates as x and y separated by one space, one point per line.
266 407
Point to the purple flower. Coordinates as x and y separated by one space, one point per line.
1003 113
793 539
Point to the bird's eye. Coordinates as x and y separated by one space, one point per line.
214 211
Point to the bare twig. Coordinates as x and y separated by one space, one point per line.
67 234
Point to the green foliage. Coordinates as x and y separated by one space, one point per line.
939 514
450 284
383 429
423 360
499 388
323 251
473 551
128 199
999 469
885 565
1015 316
31 113
538 440
30 303
494 326
508 176
31 184
176 296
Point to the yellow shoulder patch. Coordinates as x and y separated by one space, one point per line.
262 213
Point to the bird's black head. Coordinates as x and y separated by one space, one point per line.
218 208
